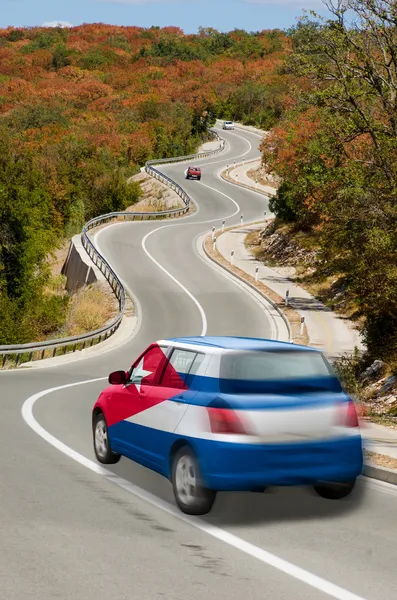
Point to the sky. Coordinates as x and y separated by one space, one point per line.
189 15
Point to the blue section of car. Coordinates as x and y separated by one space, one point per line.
265 395
246 466
239 467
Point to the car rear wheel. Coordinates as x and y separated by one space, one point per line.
199 178
335 491
102 448
192 497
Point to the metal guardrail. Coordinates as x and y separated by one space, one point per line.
19 353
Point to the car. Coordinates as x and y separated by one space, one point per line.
231 414
228 125
193 173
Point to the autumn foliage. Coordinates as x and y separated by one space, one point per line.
81 109
336 152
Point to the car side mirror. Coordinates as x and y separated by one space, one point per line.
117 378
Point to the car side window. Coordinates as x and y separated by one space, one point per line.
181 364
149 366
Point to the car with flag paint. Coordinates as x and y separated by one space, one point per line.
231 414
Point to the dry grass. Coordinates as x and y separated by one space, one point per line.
388 462
59 257
156 196
90 308
291 315
227 177
262 177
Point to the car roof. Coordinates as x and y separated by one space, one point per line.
240 343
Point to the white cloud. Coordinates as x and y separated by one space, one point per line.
148 1
63 24
296 3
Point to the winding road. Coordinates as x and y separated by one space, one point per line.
73 529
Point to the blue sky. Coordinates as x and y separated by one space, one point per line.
224 15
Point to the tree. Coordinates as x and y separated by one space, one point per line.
350 64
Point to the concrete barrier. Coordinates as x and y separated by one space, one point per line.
78 268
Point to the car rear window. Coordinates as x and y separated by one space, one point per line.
275 371
195 169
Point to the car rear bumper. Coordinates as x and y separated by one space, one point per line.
241 467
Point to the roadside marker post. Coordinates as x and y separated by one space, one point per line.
286 297
232 257
302 325
213 232
256 273
214 246
242 220
223 225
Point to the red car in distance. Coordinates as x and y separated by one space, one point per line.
193 173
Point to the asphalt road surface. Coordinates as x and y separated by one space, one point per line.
72 529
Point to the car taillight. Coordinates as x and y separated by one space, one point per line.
348 415
225 420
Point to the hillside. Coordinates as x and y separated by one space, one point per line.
82 109
335 153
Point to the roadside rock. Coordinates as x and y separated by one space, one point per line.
377 369
280 248
390 384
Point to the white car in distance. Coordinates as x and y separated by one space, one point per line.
228 125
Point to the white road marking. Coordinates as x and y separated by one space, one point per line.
260 554
225 160
226 196
175 280
256 297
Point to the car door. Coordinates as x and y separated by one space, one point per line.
171 396
131 400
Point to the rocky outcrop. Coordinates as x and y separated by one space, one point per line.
279 247
379 389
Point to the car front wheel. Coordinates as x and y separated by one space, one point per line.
102 448
192 497
335 491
